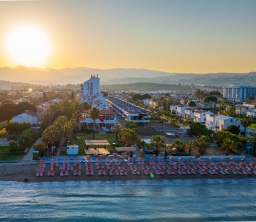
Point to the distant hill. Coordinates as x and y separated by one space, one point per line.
71 75
119 76
143 87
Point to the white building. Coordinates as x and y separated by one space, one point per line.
242 109
90 93
251 113
26 117
220 122
106 120
129 111
239 92
189 112
200 116
180 110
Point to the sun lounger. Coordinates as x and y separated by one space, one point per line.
37 173
61 173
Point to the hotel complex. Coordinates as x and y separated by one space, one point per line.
129 111
239 92
90 93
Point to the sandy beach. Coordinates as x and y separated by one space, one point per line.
18 172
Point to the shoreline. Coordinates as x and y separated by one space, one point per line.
34 179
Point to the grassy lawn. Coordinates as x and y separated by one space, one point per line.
253 125
15 154
3 136
109 137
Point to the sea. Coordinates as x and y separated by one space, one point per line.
142 200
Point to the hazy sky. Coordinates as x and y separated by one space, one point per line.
169 35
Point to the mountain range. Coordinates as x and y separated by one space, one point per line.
119 76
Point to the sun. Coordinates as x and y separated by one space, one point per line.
28 45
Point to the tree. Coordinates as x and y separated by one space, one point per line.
77 115
27 138
215 93
228 144
179 145
130 125
44 97
7 101
191 104
12 144
41 147
72 95
201 143
104 94
116 129
94 113
211 99
189 145
86 106
157 142
4 153
246 121
233 129
199 94
129 136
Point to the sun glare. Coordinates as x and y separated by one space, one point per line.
28 45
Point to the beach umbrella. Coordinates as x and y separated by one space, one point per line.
41 165
171 158
242 164
201 158
38 169
211 159
42 161
181 159
233 159
252 164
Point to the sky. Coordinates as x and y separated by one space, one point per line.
184 36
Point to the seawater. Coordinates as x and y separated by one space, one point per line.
151 200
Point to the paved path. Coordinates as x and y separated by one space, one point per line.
29 155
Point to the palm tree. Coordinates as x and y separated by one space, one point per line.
246 121
228 144
189 146
179 144
129 136
116 129
157 142
94 113
77 115
201 144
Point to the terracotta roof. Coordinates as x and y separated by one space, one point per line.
106 112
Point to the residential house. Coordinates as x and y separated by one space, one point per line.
219 122
27 117
200 115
